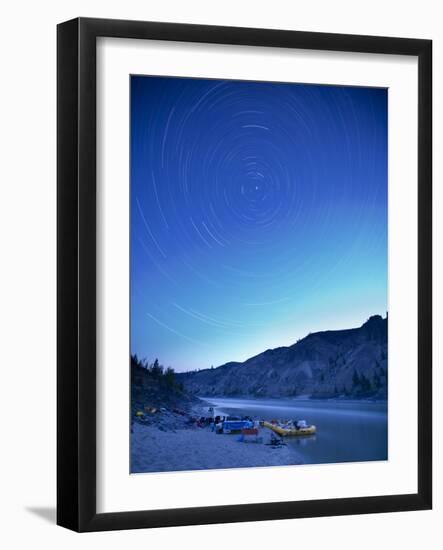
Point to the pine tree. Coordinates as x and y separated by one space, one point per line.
156 369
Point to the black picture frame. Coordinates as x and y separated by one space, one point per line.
76 279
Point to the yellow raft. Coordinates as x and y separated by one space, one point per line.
309 430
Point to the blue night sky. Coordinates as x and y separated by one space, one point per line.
258 215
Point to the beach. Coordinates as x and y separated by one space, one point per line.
155 448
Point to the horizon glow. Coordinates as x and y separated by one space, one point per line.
258 215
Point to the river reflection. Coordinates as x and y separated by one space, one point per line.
347 431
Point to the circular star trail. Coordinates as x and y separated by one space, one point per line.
250 202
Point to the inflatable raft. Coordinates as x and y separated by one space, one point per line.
309 430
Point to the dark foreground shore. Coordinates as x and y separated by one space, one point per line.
167 442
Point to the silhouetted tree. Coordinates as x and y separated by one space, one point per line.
156 369
169 376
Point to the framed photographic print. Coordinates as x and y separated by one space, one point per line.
244 274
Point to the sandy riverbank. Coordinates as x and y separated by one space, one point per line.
156 450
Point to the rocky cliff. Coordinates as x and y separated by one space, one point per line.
342 363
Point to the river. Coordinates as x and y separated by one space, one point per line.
347 431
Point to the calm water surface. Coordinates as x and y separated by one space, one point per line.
347 431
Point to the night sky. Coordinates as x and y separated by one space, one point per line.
258 215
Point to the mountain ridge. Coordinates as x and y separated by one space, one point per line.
348 363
